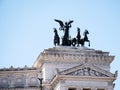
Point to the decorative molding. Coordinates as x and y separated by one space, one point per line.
70 54
18 69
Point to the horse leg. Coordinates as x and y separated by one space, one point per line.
78 43
89 43
58 42
55 43
73 42
82 42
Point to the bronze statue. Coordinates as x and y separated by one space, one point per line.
85 38
66 40
65 27
56 37
78 40
78 37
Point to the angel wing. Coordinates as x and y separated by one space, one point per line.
70 22
60 22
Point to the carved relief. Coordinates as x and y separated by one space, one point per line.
87 70
32 80
4 82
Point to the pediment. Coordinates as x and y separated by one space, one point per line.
87 70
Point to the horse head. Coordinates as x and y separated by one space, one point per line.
56 37
86 32
85 36
78 29
55 30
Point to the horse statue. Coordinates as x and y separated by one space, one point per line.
85 38
56 37
78 40
78 37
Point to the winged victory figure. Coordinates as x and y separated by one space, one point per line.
65 27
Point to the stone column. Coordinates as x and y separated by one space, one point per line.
25 80
11 80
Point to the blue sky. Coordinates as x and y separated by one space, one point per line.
26 28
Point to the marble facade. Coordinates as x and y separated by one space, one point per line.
63 68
